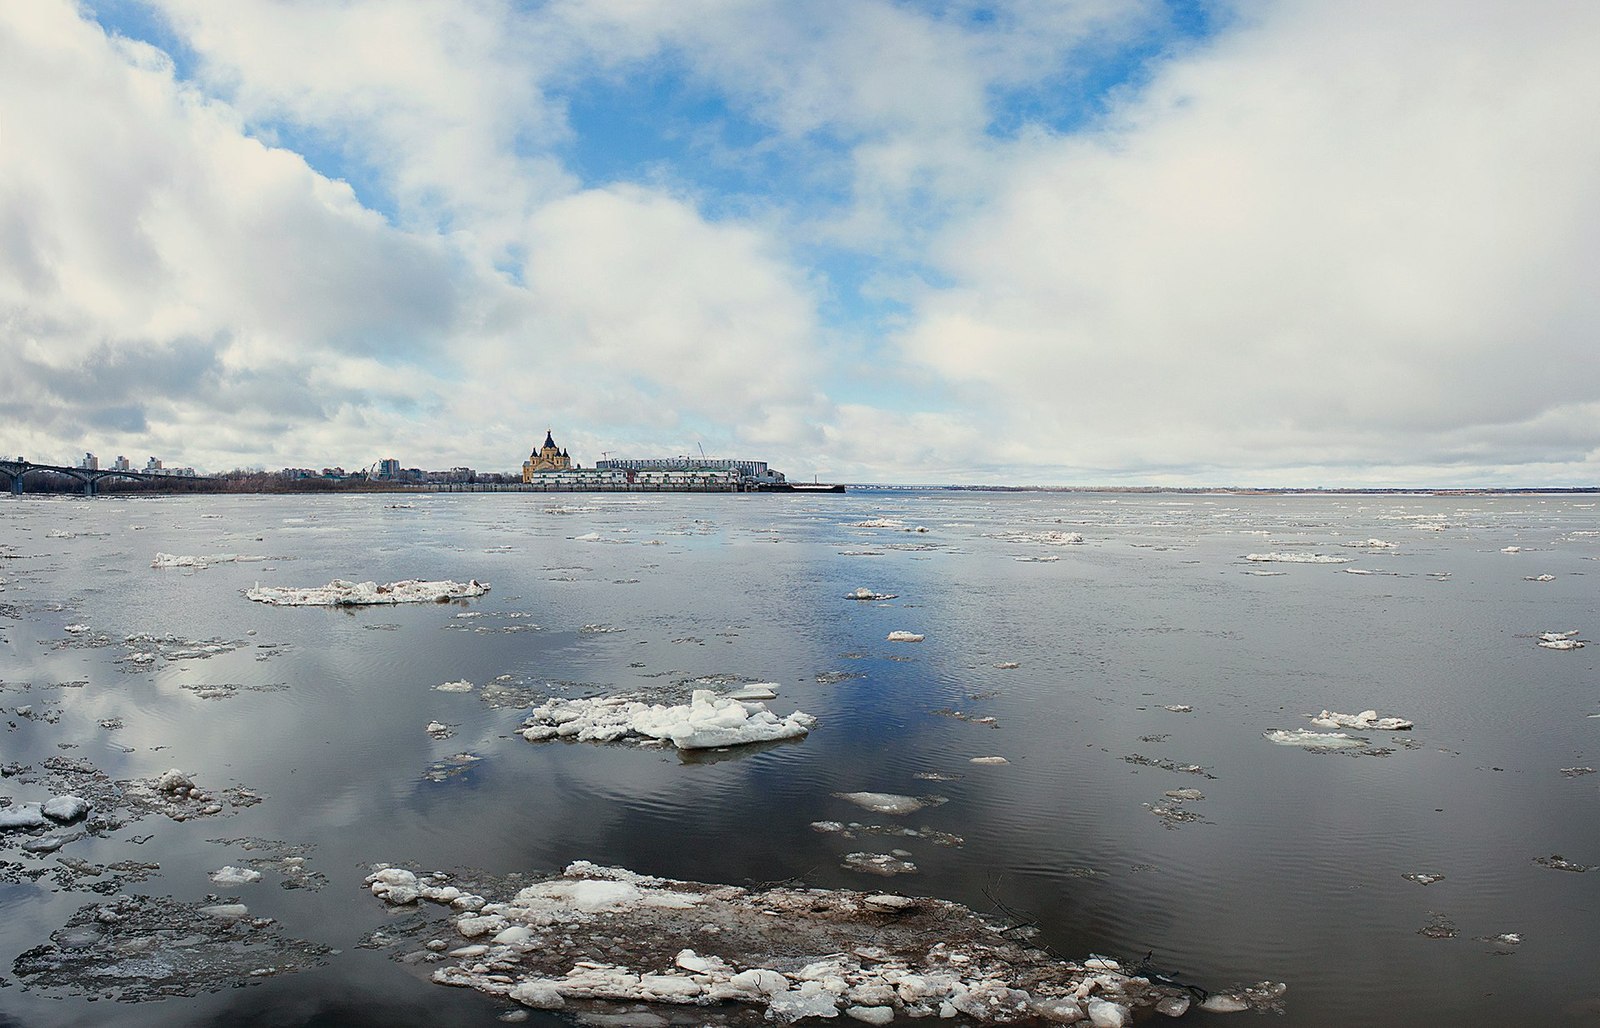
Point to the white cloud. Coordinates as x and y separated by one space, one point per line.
1343 235
1341 242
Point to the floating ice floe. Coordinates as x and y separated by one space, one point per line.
1367 719
889 802
230 875
766 956
1313 740
138 948
886 864
1538 578
1295 558
868 594
1556 862
905 637
707 721
458 686
1178 708
988 760
1561 640
1046 538
1510 549
1423 878
1373 544
340 593
891 523
200 563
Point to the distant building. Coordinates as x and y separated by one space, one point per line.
121 464
152 466
90 462
549 457
389 468
755 471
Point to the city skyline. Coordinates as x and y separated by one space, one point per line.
1291 244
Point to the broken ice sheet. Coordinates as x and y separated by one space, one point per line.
290 861
1313 740
885 864
138 948
1277 557
1168 765
1439 927
1367 719
775 955
1422 878
707 721
853 829
1557 862
340 593
1560 640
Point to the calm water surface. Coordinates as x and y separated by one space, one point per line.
1293 873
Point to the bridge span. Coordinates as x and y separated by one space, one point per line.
90 477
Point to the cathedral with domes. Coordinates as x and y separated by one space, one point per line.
548 457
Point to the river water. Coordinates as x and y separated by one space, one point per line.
1291 868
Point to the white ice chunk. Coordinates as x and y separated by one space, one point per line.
707 721
810 1000
394 885
65 809
1367 719
1314 740
23 816
1105 1014
230 875
340 593
905 637
755 691
888 802
988 760
868 594
459 686
1224 1003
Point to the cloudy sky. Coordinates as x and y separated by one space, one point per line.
1289 242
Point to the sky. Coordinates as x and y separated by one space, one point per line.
1290 243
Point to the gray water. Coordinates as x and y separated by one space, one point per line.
1293 872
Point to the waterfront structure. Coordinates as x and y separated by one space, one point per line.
547 458
550 470
754 472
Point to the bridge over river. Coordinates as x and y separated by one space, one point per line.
90 477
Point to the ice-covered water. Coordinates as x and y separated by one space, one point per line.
1149 658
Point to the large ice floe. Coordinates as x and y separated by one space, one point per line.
707 721
339 593
1561 640
1295 558
594 936
1314 740
1367 719
200 563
